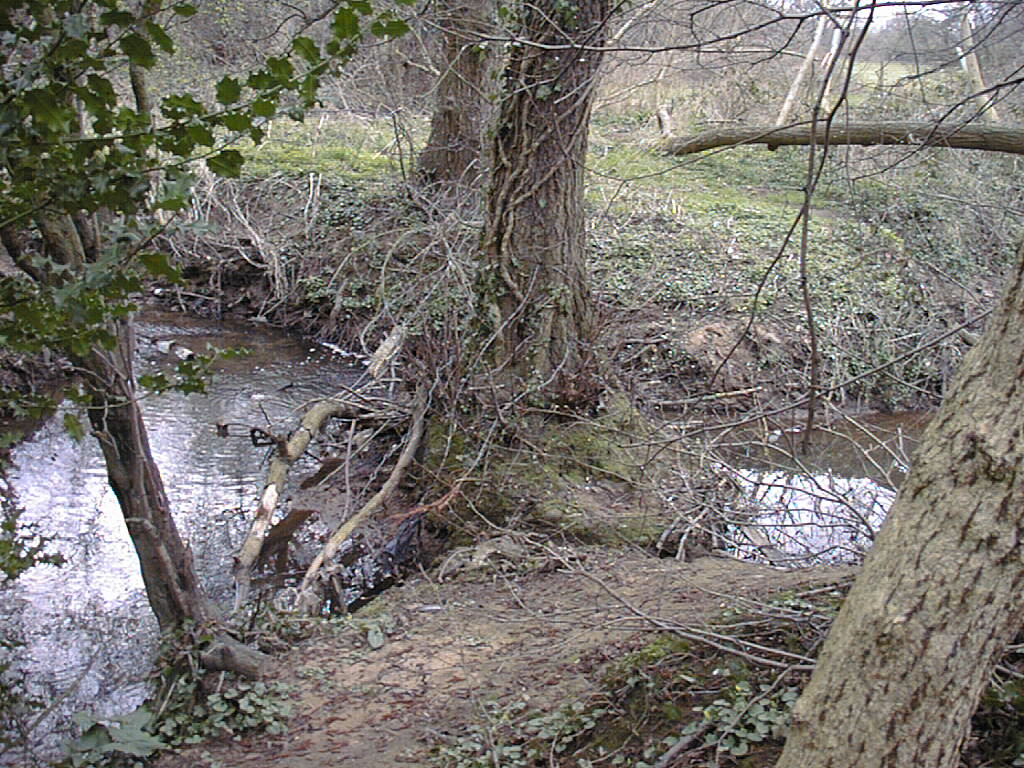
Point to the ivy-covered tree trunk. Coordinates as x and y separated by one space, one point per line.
534 292
940 594
454 153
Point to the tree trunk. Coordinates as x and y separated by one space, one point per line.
454 152
801 75
167 569
939 596
917 134
534 291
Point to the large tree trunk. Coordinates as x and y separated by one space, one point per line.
534 291
454 152
940 593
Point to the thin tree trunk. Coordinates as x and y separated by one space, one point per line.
166 562
535 293
972 64
801 75
939 596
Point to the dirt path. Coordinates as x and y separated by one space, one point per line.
482 637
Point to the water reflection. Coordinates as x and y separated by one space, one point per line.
89 630
819 506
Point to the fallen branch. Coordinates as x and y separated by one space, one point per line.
920 134
351 405
413 437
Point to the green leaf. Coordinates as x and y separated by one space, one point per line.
200 134
46 110
138 49
389 28
307 49
157 264
280 67
237 121
226 163
185 9
346 24
264 107
117 19
160 37
229 90
74 427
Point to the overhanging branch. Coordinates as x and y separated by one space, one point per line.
990 138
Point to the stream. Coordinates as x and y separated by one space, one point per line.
88 629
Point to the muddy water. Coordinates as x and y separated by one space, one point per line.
89 631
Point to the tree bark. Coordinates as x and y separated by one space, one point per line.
921 134
535 297
454 152
939 596
167 569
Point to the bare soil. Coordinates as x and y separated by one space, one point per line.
535 630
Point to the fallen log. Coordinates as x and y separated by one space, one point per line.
990 138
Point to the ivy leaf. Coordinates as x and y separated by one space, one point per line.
138 49
227 163
229 90
184 9
74 427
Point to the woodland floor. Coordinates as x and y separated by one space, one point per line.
454 648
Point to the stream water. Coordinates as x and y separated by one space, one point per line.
88 629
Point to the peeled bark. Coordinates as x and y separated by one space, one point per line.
919 134
939 596
535 295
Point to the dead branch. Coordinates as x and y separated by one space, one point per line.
989 138
412 442
351 405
